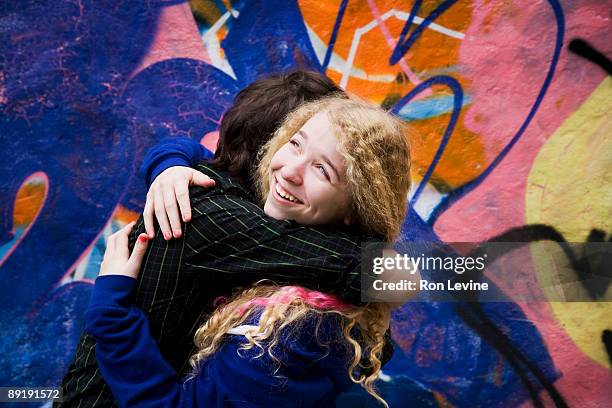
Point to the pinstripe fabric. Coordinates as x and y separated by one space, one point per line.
229 243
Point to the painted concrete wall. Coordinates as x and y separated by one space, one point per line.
512 137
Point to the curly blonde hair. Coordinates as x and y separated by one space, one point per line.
376 154
289 307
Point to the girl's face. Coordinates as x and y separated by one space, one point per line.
308 177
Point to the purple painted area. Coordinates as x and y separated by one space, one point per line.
71 113
267 37
173 98
59 117
38 346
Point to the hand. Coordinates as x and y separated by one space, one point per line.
117 259
168 189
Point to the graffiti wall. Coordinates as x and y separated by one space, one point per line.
511 106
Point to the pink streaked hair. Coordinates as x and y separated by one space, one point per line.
287 294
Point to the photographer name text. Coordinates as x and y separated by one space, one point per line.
424 285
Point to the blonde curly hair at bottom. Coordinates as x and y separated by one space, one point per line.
376 153
280 312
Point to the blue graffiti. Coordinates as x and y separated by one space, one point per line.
58 117
431 107
403 44
268 37
457 91
334 34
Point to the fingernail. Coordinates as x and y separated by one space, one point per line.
143 238
177 233
167 236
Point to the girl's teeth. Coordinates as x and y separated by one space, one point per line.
285 195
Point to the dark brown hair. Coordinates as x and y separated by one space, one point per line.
257 111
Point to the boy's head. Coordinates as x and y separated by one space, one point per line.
258 110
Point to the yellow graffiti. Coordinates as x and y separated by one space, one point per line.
570 188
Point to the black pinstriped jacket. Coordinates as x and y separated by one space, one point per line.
229 243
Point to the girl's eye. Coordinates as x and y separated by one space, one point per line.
294 143
323 171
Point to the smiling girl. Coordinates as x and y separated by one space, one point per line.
334 161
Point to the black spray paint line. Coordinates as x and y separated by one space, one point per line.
580 47
606 337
